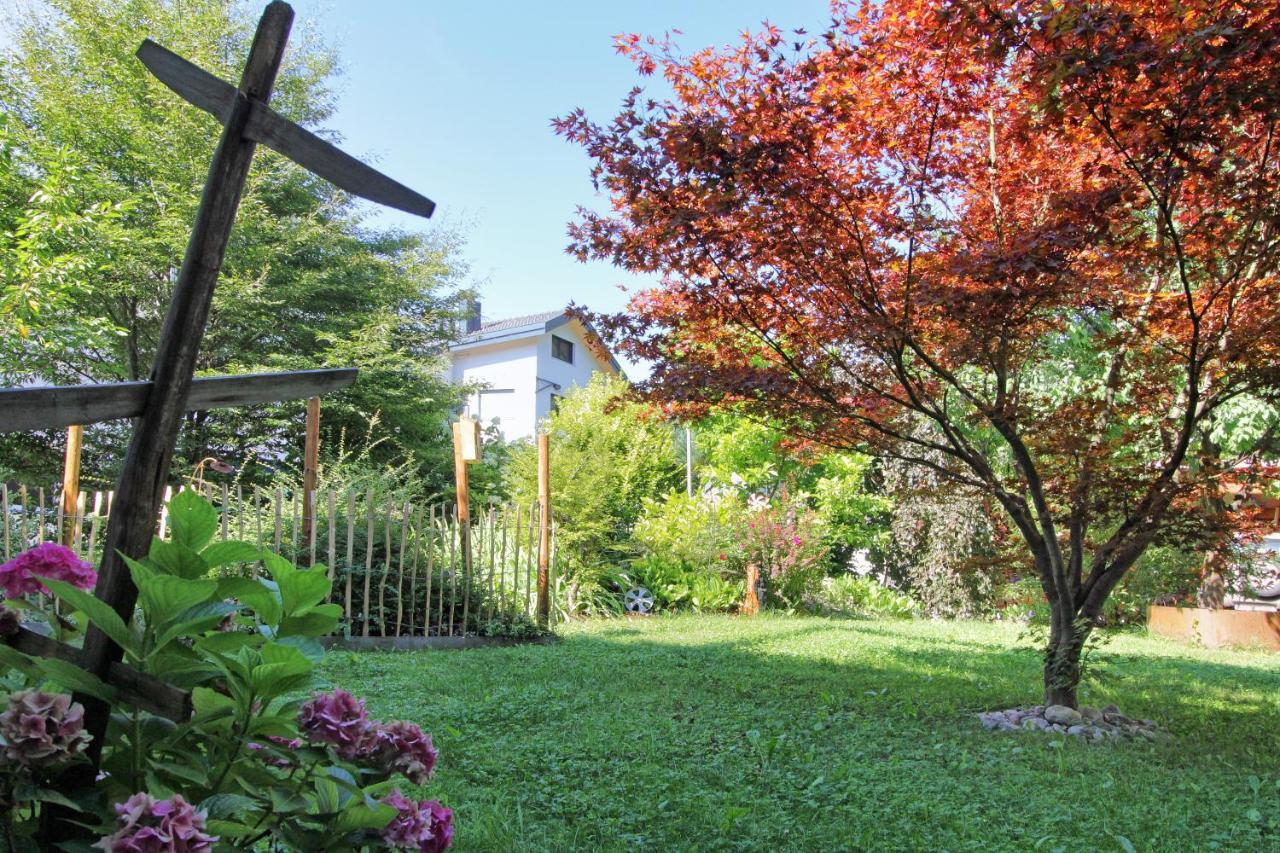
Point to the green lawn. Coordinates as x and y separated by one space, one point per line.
722 733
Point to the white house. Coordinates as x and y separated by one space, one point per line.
523 365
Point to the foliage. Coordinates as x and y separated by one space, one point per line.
850 595
786 543
854 515
979 217
703 531
844 701
940 542
606 458
680 586
258 763
112 163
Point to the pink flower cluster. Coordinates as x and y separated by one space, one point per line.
338 719
422 825
20 575
42 728
148 825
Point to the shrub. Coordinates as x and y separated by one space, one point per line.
703 531
850 595
788 547
259 763
679 586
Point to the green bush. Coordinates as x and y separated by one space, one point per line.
850 595
704 531
679 586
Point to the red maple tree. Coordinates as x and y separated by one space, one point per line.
1032 246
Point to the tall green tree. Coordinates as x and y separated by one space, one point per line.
307 282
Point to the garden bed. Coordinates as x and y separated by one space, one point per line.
1217 628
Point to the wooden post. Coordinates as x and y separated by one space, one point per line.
463 502
146 462
310 465
544 528
71 484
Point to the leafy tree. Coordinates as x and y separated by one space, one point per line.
1049 231
108 149
606 458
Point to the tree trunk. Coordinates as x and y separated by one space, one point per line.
1062 660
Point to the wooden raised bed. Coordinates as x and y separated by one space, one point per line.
1217 628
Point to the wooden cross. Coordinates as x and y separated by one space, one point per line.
159 403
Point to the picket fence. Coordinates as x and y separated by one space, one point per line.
397 566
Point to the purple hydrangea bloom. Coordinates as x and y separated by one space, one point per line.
425 825
20 575
42 728
148 825
404 748
338 719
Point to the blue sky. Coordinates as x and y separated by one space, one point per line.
454 99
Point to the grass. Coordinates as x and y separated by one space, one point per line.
722 733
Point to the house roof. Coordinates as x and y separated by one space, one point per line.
529 325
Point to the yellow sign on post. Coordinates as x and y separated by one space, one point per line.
469 439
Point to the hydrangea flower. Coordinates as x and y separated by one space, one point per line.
338 719
425 826
148 825
20 575
404 748
42 728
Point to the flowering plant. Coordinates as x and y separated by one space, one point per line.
787 545
262 760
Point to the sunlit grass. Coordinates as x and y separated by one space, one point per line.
722 733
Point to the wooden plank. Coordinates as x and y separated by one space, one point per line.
216 97
493 530
4 505
544 528
431 558
351 550
370 511
404 535
93 525
57 406
135 688
71 480
333 533
310 469
386 566
151 446
453 570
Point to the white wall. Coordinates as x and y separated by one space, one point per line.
504 367
567 376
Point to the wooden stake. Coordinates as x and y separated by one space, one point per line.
71 482
310 466
544 528
463 517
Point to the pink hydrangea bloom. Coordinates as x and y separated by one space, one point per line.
338 719
42 728
148 825
18 577
425 826
404 748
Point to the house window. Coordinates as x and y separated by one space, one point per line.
555 402
561 349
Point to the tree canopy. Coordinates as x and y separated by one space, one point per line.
101 168
1031 246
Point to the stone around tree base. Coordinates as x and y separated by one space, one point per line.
1089 724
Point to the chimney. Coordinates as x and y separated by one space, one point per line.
473 317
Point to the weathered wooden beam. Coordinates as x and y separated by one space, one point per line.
53 407
216 97
145 469
135 688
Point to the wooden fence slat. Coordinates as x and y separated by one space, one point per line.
295 514
4 504
40 515
278 505
453 566
404 536
351 552
431 559
26 507
93 525
413 572
368 559
333 517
